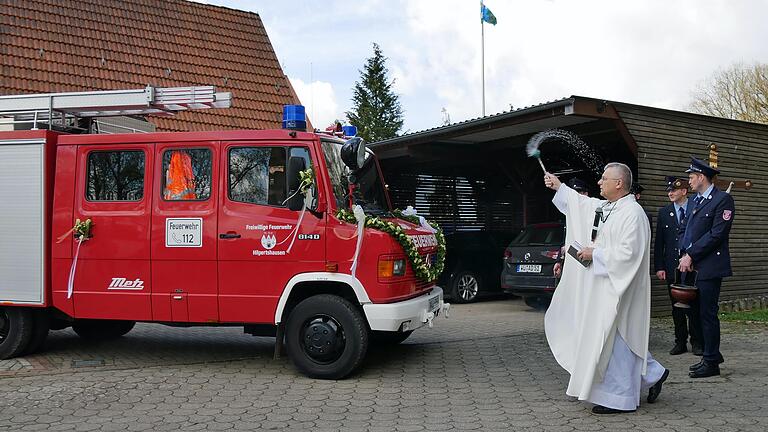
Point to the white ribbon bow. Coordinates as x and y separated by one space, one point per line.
410 211
360 216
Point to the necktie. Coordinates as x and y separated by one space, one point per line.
698 199
681 214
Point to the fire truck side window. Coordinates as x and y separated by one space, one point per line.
257 175
303 152
115 176
187 174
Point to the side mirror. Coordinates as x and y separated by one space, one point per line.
353 153
295 166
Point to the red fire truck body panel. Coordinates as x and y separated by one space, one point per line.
127 272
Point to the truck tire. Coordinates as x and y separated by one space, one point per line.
102 329
40 328
326 337
15 331
465 287
388 338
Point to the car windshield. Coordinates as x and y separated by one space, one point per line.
540 235
369 194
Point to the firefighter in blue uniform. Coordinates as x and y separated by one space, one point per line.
704 244
666 252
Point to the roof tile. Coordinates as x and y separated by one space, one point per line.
82 45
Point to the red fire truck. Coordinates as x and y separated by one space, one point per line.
230 228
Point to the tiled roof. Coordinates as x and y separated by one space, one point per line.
51 46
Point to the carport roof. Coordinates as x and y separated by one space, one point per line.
560 113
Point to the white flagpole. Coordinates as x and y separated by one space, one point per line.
482 55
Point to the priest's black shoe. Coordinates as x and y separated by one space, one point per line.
707 369
678 349
655 390
697 350
599 409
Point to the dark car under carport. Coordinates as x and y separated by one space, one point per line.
529 260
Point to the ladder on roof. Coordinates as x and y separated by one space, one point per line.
63 107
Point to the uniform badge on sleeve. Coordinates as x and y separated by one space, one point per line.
727 215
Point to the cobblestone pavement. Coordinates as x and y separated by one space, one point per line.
486 368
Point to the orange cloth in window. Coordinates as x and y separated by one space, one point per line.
179 179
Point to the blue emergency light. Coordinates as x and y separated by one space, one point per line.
294 118
349 131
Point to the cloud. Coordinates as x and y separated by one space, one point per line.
319 100
651 52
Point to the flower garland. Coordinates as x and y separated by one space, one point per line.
81 230
306 180
420 267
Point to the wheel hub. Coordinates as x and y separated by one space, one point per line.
323 339
467 287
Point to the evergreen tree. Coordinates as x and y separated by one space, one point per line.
376 109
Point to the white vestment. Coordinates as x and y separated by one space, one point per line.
610 298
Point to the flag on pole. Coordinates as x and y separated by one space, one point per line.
486 15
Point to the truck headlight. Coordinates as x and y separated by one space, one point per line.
391 267
398 267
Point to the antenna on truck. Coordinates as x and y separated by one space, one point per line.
63 108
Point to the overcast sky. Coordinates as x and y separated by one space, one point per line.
649 52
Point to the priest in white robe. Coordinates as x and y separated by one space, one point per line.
598 322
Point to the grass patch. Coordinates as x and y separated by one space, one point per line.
760 315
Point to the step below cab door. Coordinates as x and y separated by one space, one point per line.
260 245
112 269
184 282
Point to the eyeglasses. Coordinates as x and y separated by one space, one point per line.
603 179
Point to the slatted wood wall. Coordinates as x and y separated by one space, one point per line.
665 142
457 203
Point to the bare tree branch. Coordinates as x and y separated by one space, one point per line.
739 92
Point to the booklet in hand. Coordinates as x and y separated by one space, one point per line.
574 249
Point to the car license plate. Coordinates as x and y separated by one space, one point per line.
529 268
434 303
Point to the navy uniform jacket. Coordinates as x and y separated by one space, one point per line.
709 225
666 248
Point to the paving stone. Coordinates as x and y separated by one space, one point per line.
487 368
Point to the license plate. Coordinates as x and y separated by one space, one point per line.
529 268
434 303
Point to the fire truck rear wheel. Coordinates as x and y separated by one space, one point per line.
102 329
326 337
40 329
15 331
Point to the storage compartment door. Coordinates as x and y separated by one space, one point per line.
21 221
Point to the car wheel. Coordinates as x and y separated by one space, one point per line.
538 302
15 331
102 329
465 287
326 337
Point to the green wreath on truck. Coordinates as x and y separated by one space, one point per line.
420 267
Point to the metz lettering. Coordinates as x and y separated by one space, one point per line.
125 284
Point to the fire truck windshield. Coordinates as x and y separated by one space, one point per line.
369 190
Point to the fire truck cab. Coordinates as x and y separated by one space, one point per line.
235 228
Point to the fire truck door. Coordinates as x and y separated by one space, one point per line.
112 274
260 245
184 282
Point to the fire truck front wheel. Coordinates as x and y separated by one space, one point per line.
102 329
16 326
326 337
